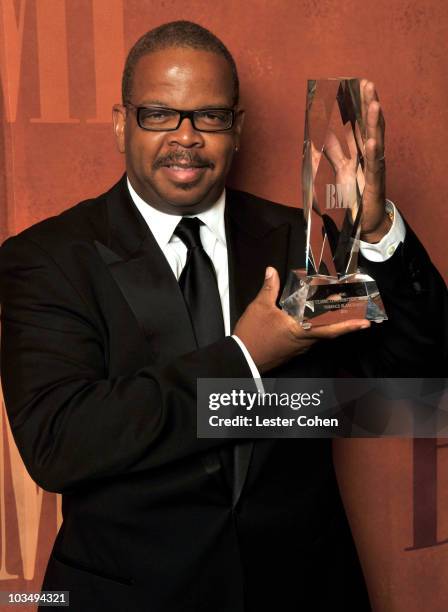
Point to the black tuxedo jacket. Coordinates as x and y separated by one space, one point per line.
99 369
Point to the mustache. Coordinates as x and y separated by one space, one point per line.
182 158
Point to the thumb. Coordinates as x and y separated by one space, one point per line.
269 292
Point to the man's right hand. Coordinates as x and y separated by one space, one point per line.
272 337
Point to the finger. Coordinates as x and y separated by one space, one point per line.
333 151
328 332
372 112
269 292
375 125
362 85
350 138
315 158
359 138
374 168
368 95
370 92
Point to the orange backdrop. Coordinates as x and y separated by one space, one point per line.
61 63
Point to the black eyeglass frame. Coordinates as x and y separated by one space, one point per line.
183 114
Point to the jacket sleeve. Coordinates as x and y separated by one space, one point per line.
413 341
72 424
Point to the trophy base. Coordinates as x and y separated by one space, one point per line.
323 300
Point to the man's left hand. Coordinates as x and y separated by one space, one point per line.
375 222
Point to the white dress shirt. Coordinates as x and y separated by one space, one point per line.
213 238
386 247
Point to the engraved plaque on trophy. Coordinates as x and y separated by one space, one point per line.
332 287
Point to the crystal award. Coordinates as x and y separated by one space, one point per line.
332 287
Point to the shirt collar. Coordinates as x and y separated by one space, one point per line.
162 225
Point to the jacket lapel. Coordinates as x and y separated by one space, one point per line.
253 243
145 278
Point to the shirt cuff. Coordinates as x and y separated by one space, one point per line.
386 247
250 362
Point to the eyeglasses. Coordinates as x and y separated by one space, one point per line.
161 119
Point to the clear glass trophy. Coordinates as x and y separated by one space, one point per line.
331 287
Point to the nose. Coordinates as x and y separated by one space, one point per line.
186 135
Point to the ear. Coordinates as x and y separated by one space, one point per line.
119 119
238 126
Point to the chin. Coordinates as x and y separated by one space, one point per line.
188 204
186 196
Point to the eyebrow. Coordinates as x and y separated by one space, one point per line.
165 105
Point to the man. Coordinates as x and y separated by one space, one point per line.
112 310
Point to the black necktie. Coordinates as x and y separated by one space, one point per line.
199 286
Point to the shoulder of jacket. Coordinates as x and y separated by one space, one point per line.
281 212
80 221
252 211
